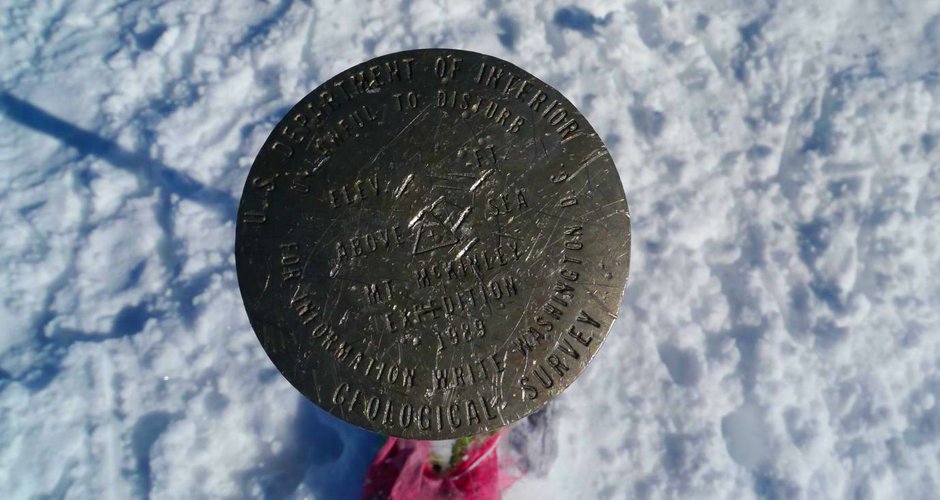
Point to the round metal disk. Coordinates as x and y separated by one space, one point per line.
432 244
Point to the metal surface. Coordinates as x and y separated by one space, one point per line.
432 244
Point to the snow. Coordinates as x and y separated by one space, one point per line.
778 337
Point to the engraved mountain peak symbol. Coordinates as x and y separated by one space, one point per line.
436 224
432 233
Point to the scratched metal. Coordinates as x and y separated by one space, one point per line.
432 244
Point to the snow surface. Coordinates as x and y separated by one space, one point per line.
780 336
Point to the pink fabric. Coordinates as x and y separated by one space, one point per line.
401 471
